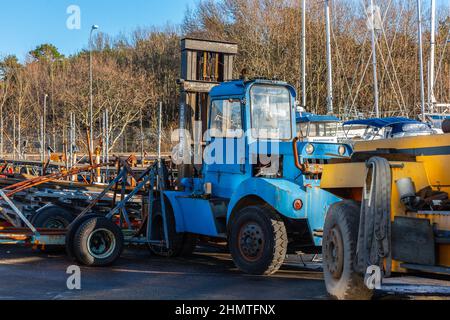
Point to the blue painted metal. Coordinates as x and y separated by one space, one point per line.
304 117
228 89
279 193
323 151
317 203
198 215
438 116
395 123
381 122
178 210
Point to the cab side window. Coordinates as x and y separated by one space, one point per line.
226 119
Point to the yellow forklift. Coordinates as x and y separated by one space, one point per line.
394 217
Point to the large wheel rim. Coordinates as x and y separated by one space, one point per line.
101 243
335 253
251 241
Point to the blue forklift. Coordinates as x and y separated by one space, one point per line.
263 211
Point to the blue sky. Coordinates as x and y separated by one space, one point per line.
26 23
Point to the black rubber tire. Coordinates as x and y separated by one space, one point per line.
190 242
81 245
42 219
46 219
274 248
70 234
446 126
180 244
342 279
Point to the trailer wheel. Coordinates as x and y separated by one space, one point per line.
52 217
342 279
258 240
98 242
71 231
180 244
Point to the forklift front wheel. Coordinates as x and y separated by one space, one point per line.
98 242
340 239
258 240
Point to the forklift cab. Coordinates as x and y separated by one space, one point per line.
246 123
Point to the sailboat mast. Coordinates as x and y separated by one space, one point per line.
374 60
431 98
303 54
422 86
329 65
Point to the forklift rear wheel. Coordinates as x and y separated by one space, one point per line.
98 242
180 244
340 239
52 217
258 240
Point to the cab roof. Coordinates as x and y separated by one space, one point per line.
239 87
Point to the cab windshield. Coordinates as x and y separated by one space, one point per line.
271 112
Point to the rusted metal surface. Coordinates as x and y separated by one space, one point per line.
298 165
28 232
24 236
24 185
197 86
209 45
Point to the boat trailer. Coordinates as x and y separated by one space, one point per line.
111 231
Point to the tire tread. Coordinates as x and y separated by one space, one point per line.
346 214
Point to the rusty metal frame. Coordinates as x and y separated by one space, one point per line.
151 180
19 234
26 184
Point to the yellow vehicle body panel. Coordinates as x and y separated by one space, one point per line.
343 175
419 142
428 170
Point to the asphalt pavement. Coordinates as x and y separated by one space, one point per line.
208 275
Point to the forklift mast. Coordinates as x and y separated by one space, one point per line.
204 65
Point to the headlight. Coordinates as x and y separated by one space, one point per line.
309 149
342 150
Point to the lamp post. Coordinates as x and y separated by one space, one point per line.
303 59
91 98
44 123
